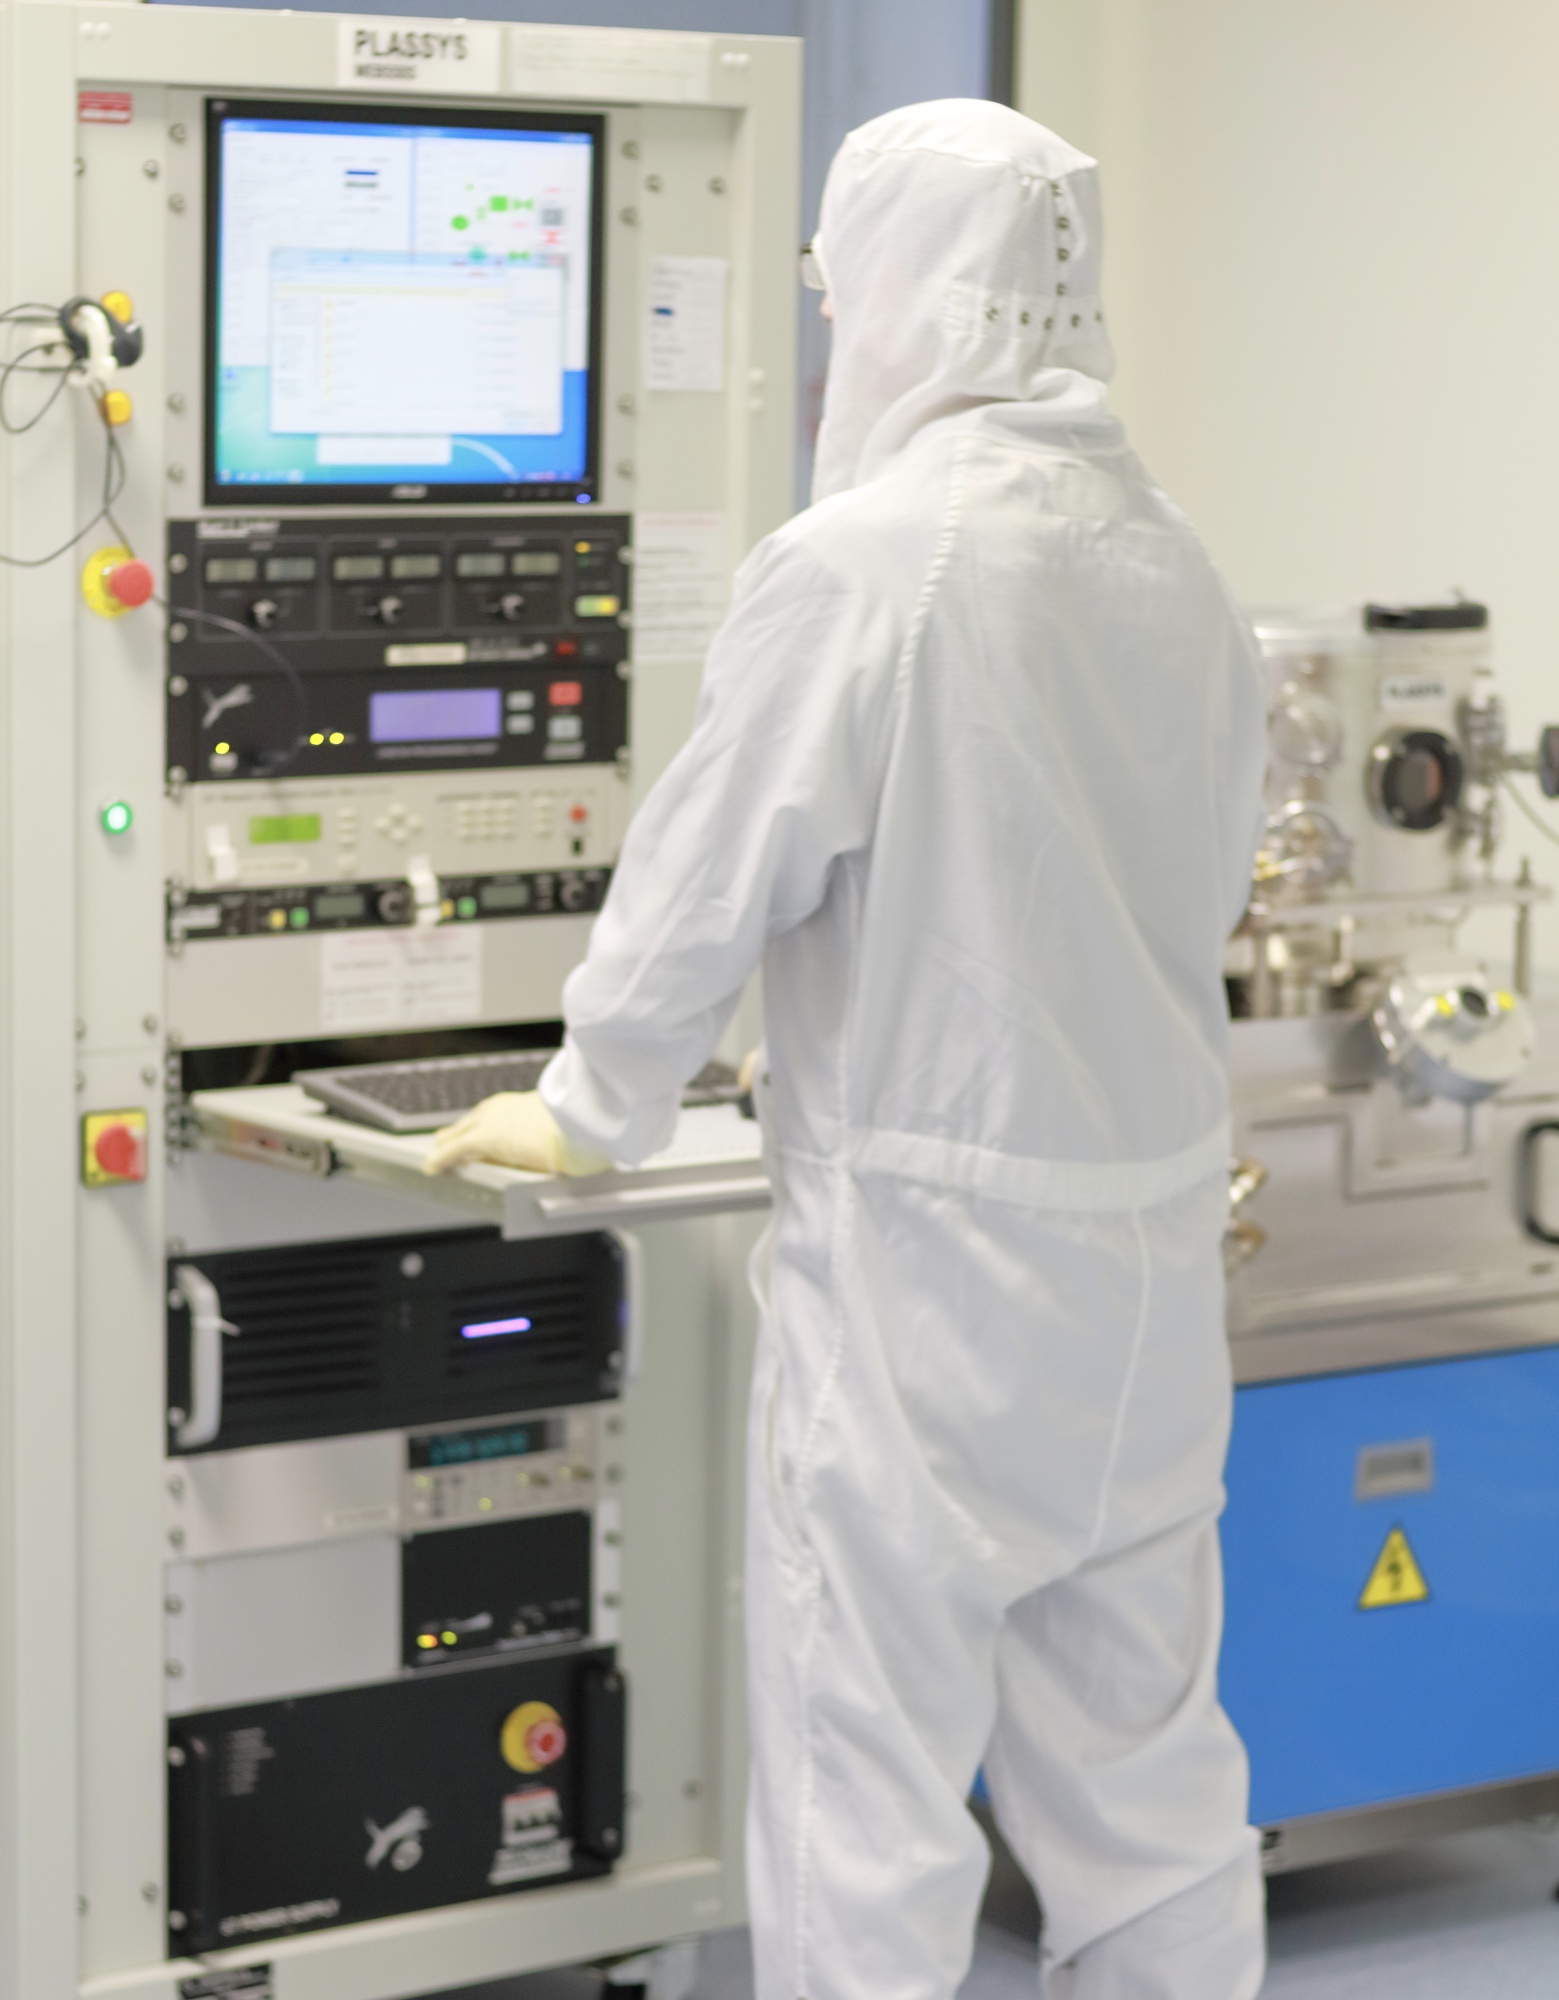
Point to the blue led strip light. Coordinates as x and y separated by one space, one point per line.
486 1329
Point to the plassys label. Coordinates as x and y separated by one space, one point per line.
1420 690
444 56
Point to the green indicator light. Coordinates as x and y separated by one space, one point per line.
116 817
466 907
300 917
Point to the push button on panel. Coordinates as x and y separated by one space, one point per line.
113 1148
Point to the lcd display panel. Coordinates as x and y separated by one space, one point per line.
434 715
401 305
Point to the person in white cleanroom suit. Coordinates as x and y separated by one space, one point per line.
976 777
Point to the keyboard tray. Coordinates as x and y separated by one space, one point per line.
713 1164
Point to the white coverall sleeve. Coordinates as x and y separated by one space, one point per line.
732 847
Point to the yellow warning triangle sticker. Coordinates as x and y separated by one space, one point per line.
1396 1577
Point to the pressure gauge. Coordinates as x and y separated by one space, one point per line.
1303 849
1306 730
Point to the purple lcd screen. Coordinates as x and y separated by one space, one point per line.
434 715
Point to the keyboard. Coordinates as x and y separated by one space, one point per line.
422 1096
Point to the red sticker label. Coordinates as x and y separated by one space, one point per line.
104 107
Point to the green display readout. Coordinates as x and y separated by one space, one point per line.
505 895
284 829
290 569
410 568
357 569
232 569
479 562
473 1447
538 562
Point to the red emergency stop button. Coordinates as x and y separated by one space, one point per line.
113 1148
130 583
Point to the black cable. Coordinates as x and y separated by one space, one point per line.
267 762
17 365
113 464
115 472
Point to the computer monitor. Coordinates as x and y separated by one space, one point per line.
402 305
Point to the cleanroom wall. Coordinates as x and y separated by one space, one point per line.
1333 287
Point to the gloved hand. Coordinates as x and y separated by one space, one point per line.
512 1129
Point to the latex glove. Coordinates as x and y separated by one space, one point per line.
512 1129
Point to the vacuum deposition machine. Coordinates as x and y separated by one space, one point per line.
1392 1534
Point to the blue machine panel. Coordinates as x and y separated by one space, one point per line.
1346 1707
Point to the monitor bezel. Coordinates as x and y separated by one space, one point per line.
387 493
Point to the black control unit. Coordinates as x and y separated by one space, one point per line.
424 645
388 903
390 1332
495 1587
464 1783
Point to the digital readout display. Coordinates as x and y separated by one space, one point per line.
414 567
290 569
473 1447
434 715
357 569
340 904
231 569
539 562
505 895
284 829
479 562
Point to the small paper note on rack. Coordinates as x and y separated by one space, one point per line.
387 979
684 327
680 586
632 65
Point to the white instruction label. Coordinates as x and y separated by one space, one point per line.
684 325
463 57
627 65
680 585
1414 691
387 979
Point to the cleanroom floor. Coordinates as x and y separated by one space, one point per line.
1467 1916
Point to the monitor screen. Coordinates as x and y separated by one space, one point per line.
401 305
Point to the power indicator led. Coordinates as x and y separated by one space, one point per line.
116 816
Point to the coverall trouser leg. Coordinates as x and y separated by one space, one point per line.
902 1630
